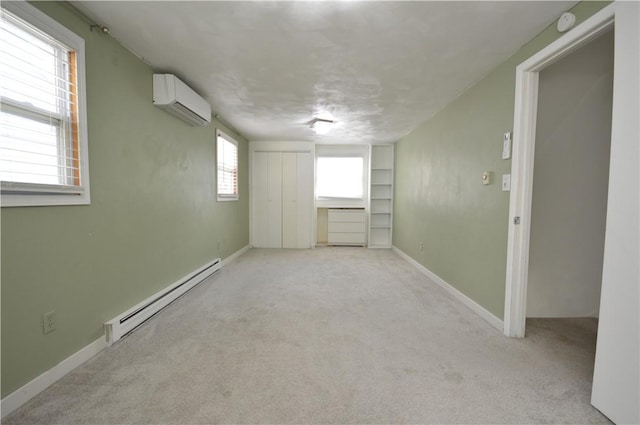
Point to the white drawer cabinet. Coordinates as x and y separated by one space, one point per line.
347 227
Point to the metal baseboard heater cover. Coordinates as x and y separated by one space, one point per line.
126 322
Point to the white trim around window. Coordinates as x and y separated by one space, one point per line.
67 119
344 154
226 167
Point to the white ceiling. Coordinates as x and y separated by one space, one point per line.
378 68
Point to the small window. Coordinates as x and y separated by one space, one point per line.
340 177
227 156
43 147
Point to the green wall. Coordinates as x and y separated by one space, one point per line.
153 216
439 197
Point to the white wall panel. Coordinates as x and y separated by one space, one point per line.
616 379
289 200
260 236
281 195
274 199
305 199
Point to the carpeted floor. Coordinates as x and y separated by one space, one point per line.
331 335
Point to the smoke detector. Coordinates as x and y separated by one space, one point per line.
566 21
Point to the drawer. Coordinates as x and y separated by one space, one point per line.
346 238
346 227
354 216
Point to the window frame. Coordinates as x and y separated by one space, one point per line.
224 196
18 194
320 197
343 151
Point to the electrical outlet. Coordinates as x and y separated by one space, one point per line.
49 322
421 246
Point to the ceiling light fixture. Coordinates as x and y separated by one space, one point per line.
321 126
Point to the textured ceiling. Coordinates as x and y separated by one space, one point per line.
378 68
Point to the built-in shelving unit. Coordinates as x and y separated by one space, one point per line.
381 196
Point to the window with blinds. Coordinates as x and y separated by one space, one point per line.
339 177
227 158
42 151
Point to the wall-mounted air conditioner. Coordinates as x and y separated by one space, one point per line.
175 97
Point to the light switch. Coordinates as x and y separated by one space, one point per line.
506 145
506 182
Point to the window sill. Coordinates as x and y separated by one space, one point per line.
341 203
43 200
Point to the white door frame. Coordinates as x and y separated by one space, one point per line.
524 133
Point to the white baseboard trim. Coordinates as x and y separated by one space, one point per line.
477 308
42 382
235 255
39 384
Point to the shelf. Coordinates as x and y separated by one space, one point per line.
381 192
381 205
380 237
381 196
380 220
381 176
382 156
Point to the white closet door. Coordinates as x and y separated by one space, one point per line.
282 199
304 188
274 199
289 200
259 200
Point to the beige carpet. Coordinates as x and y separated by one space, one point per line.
332 335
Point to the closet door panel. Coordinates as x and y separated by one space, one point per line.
289 200
304 188
259 200
274 199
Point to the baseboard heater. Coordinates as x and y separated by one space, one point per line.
123 324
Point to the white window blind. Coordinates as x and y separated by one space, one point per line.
40 146
227 158
340 177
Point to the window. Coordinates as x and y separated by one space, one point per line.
340 177
43 143
227 156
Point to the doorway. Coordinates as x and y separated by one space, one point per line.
569 202
525 117
615 389
570 183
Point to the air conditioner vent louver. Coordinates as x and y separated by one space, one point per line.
175 97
